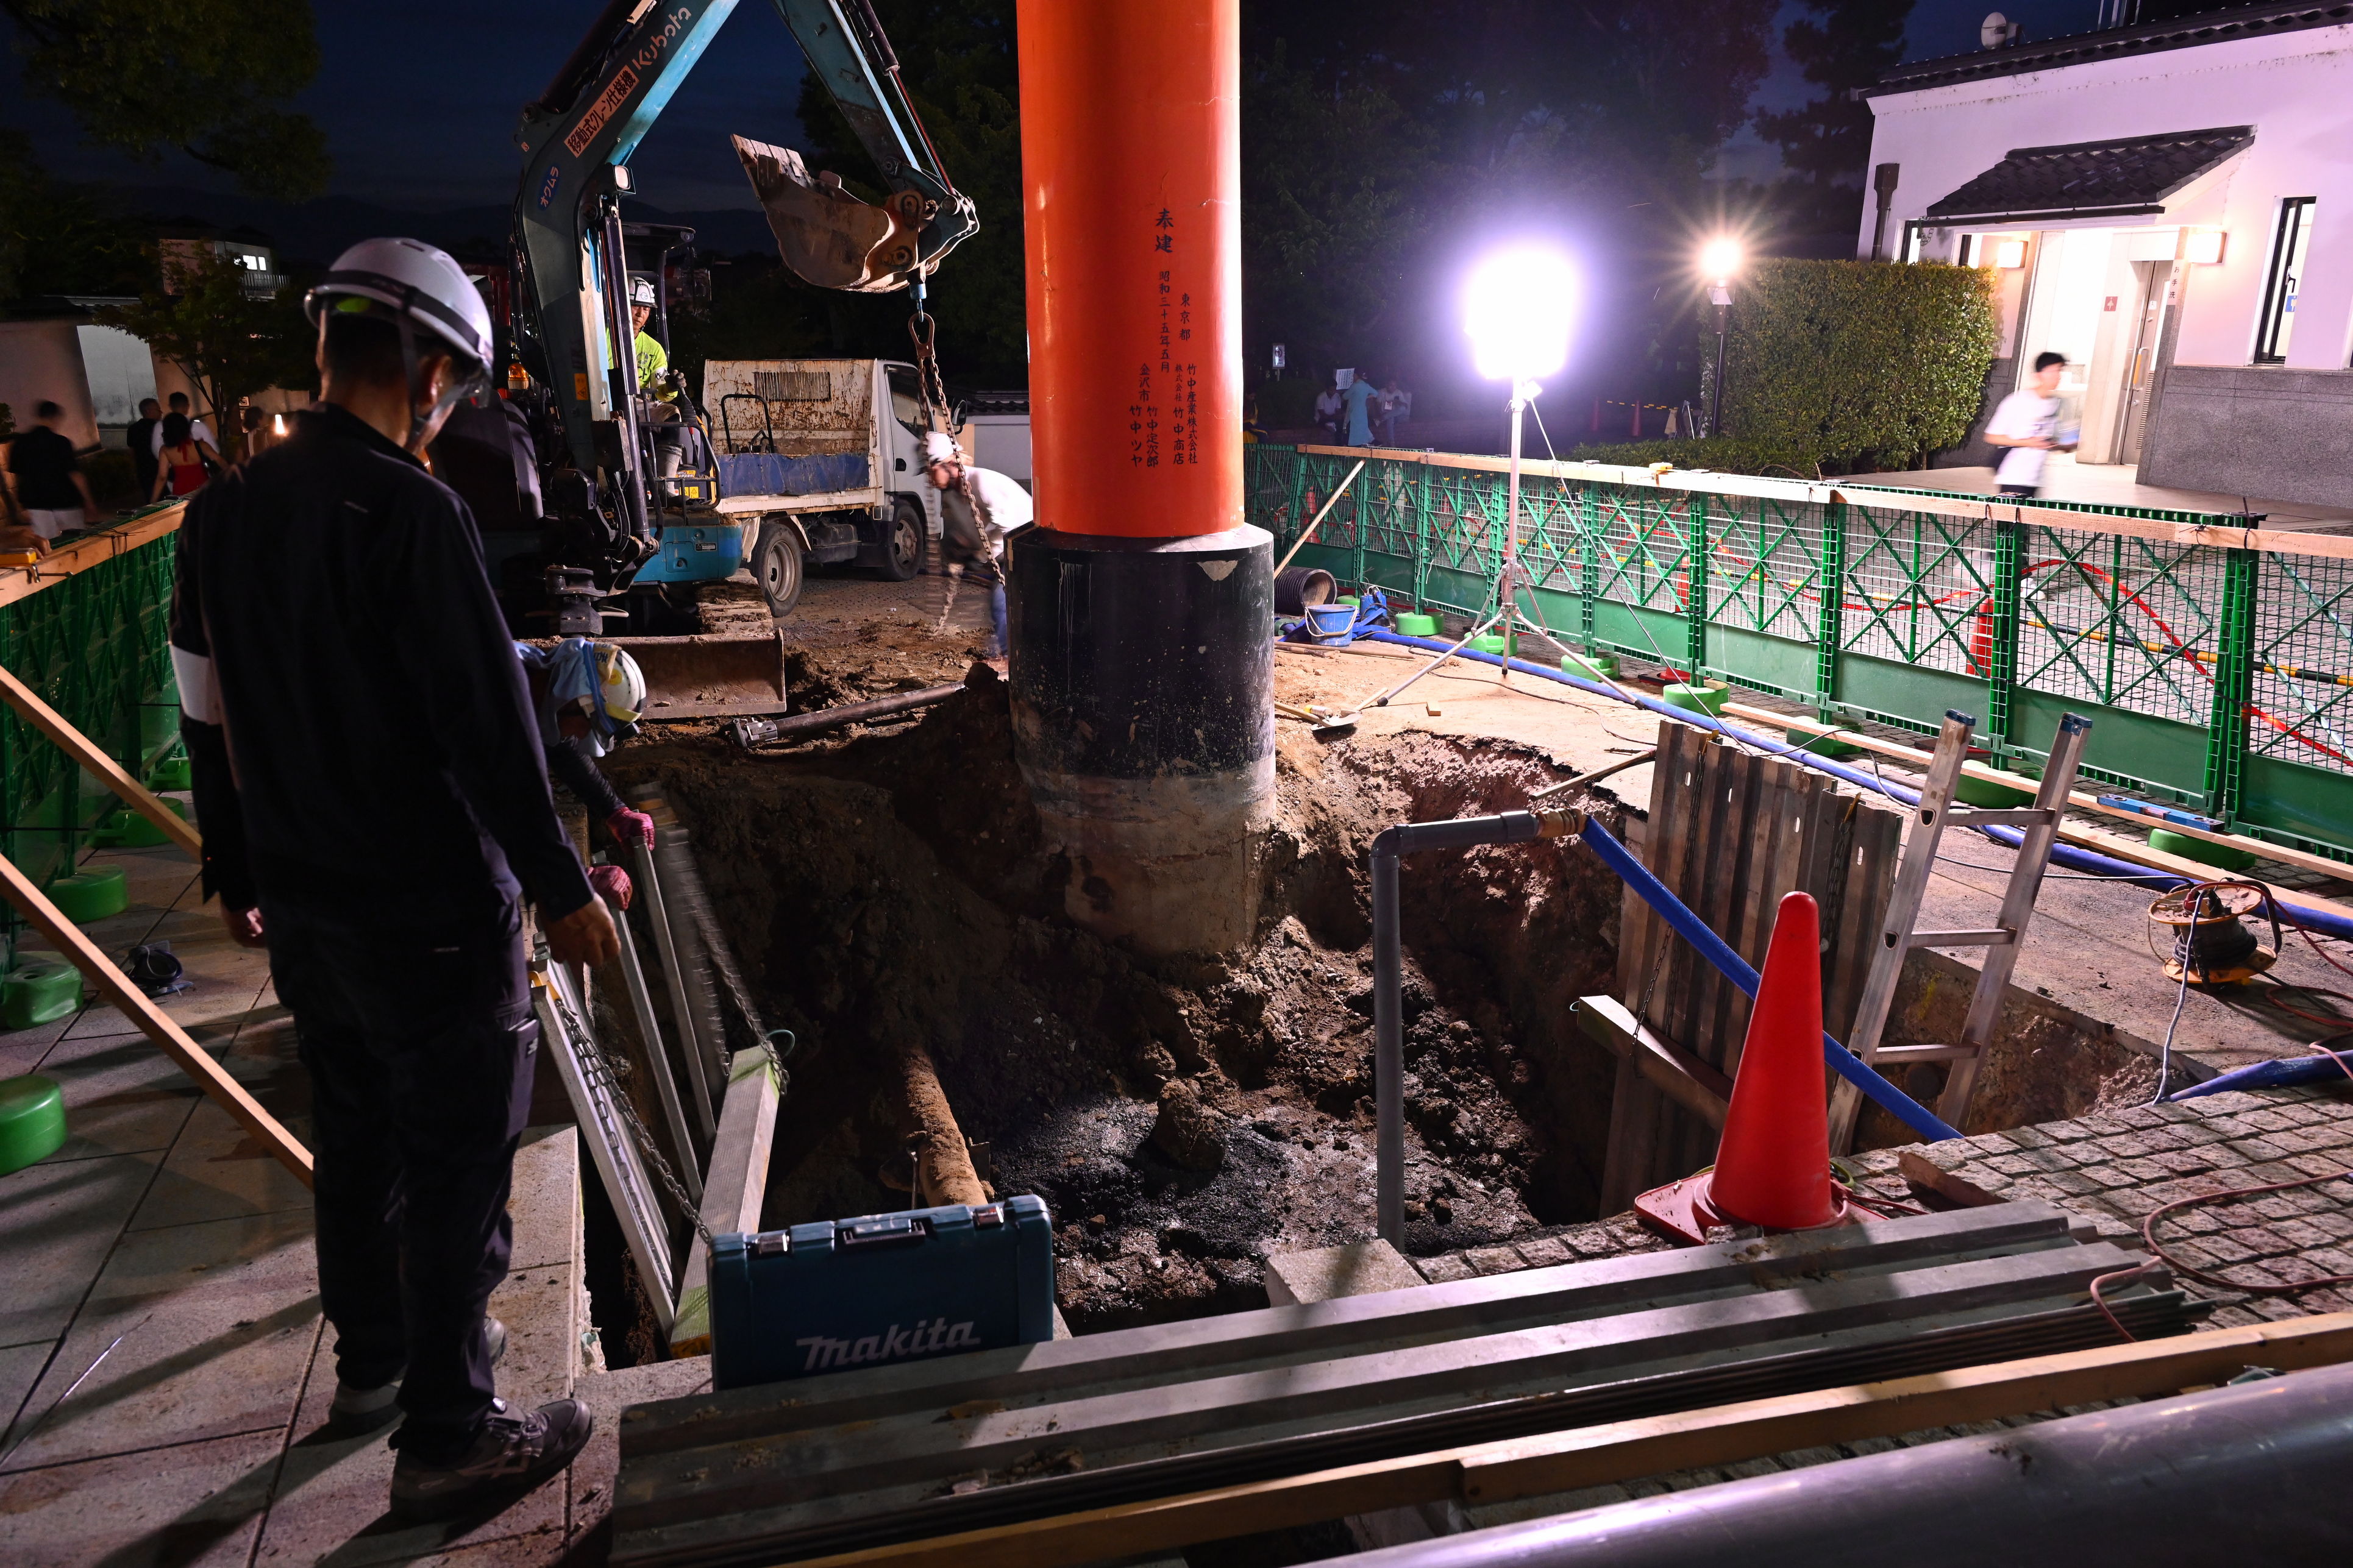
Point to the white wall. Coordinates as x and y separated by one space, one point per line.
2295 88
42 360
121 372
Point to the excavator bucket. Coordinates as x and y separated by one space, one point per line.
827 236
709 677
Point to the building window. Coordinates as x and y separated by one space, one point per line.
2288 247
1914 236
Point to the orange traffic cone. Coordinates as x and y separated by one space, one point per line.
1773 1160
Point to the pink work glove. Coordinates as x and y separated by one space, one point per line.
611 884
630 829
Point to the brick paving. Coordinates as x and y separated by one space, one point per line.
2113 1170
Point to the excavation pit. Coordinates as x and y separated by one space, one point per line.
1184 1118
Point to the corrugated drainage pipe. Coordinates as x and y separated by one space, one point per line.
2250 1472
2075 859
1389 967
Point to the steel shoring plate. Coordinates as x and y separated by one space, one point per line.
869 1483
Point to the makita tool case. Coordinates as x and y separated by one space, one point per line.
880 1289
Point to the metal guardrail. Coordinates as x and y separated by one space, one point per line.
2215 656
88 629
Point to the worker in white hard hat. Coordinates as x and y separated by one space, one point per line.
979 508
653 360
376 813
588 696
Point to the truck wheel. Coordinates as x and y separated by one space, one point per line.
776 567
902 550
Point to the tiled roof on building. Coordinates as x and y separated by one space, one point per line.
2131 175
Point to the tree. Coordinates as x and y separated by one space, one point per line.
207 78
57 238
1825 142
228 342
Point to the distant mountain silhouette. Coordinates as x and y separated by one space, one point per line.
318 231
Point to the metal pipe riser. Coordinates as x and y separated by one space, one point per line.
2247 1473
1143 698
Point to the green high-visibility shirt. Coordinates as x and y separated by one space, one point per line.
652 360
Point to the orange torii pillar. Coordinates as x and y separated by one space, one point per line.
1142 606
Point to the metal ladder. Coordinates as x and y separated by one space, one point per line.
1934 814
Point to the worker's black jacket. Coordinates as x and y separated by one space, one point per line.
353 707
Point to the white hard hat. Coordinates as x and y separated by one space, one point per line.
642 290
414 281
620 685
940 447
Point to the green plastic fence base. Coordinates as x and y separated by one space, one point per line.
1590 665
32 1120
1694 699
126 829
1352 599
172 774
2219 855
1821 745
34 994
1989 795
88 896
1413 624
1490 643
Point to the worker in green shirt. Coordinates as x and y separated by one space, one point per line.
653 360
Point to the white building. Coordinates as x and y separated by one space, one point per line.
2169 205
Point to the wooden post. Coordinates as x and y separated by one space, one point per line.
733 1189
116 987
81 749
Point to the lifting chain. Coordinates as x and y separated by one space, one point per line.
923 329
601 1072
723 964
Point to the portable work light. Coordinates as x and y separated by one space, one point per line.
1719 259
1517 311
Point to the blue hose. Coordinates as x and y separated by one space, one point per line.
2067 855
1734 968
2278 1074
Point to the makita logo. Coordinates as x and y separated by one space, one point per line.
892 1344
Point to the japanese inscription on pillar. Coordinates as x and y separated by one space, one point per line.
1167 387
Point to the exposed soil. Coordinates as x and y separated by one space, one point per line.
883 885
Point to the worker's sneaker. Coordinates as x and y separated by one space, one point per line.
357 1411
512 1454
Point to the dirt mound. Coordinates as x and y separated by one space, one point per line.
894 885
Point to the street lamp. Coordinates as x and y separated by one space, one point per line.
1719 261
1517 311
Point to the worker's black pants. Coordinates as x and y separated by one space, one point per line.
420 1052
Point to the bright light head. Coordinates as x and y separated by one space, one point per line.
1719 261
1517 309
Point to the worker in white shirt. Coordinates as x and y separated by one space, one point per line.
2028 424
198 428
979 509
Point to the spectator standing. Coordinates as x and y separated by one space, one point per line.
181 458
139 437
256 425
44 482
178 403
1360 403
2028 424
1397 406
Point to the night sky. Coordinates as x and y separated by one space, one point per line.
419 99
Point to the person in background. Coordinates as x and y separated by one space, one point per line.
184 456
1359 405
1327 411
2028 424
139 439
178 403
256 425
1252 430
44 481
588 696
1396 404
979 509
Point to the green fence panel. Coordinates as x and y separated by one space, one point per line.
2218 678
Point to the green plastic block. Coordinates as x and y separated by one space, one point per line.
1493 642
1590 665
1707 699
1985 793
88 896
2221 856
1352 600
38 993
126 829
172 774
32 1120
1414 623
1821 745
